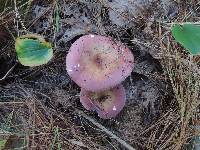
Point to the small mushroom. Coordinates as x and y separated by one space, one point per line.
106 103
97 63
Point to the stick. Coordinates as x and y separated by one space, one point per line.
8 72
112 135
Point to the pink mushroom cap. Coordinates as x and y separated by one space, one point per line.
97 63
106 103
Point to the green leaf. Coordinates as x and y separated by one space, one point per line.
188 35
33 50
2 143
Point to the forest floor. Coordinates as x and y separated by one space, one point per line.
40 107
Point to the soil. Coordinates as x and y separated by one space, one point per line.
42 99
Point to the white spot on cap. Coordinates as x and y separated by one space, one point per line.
114 108
70 70
92 36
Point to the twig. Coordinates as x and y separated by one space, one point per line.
18 17
11 103
9 13
112 135
8 72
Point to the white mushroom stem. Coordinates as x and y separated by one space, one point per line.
112 135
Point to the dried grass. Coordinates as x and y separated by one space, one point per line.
45 117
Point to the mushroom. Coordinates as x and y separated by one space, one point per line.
106 103
97 63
